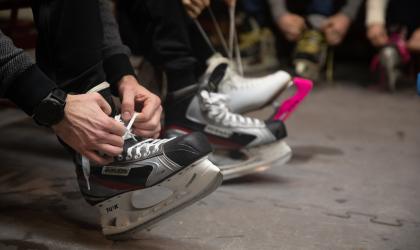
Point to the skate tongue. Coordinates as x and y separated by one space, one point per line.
216 77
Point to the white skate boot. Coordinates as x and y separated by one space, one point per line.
245 94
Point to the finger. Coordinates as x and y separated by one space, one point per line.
291 37
194 10
294 35
148 132
153 123
114 127
104 105
145 133
191 14
127 105
93 156
114 140
199 3
109 149
329 24
151 107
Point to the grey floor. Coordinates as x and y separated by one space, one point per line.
353 183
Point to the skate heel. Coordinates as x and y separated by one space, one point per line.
255 159
128 213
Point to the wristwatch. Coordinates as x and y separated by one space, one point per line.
51 109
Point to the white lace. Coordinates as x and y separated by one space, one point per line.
141 149
215 106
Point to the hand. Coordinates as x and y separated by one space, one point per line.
377 35
195 7
230 3
87 128
292 25
413 43
147 123
335 28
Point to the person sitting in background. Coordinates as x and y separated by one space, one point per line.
314 25
394 28
292 22
382 14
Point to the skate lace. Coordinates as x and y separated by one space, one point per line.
143 148
215 106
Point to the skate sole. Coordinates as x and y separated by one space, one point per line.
203 176
262 158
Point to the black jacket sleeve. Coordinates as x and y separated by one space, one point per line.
21 80
116 55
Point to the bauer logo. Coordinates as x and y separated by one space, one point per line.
107 170
218 131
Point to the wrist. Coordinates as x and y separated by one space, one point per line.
50 110
116 67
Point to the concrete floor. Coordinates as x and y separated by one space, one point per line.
353 183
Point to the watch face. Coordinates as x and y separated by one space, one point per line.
49 112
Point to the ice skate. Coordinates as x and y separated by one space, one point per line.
242 144
150 180
388 63
257 46
245 94
310 54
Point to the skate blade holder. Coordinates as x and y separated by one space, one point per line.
303 88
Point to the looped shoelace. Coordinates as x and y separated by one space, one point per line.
141 149
217 110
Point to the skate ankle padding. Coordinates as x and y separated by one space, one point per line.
187 149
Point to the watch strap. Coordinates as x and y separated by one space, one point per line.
59 95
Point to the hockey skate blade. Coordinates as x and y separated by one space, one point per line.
124 215
258 159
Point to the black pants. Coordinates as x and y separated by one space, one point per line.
69 46
160 31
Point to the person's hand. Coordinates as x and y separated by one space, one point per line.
335 28
195 7
292 26
230 3
132 94
377 35
87 128
413 43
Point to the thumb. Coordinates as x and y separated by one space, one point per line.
127 105
327 24
104 105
